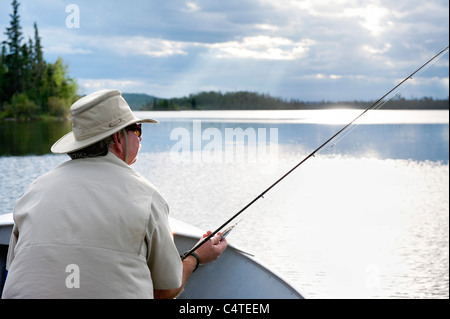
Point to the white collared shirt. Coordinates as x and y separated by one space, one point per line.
91 228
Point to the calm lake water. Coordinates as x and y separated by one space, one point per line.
365 218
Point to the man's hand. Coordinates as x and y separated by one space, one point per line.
212 249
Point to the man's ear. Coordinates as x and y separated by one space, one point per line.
119 144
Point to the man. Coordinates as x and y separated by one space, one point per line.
93 227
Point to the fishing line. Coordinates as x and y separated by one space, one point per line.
374 106
391 95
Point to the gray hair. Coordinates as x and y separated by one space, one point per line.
98 149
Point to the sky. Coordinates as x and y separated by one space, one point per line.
311 50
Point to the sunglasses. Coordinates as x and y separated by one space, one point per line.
136 129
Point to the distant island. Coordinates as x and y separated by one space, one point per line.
244 100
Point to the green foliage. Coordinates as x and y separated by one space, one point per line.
137 100
165 105
21 107
211 100
254 101
58 107
30 86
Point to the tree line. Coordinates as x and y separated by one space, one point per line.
243 100
30 86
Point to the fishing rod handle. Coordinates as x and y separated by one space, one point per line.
198 245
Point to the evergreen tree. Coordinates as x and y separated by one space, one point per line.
38 66
38 56
3 75
29 85
26 66
13 59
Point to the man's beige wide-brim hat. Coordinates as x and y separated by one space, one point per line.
95 117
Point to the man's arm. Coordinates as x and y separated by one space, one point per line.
188 267
209 251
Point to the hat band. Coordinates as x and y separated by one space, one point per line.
82 132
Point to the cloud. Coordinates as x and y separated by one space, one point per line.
373 17
65 49
75 43
262 47
125 85
139 45
421 86
191 7
258 47
374 51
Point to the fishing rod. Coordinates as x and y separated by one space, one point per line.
378 104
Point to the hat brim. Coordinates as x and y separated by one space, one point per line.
68 143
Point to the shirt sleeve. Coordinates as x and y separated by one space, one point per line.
163 258
12 246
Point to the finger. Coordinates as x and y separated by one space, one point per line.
216 240
207 234
213 240
223 243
